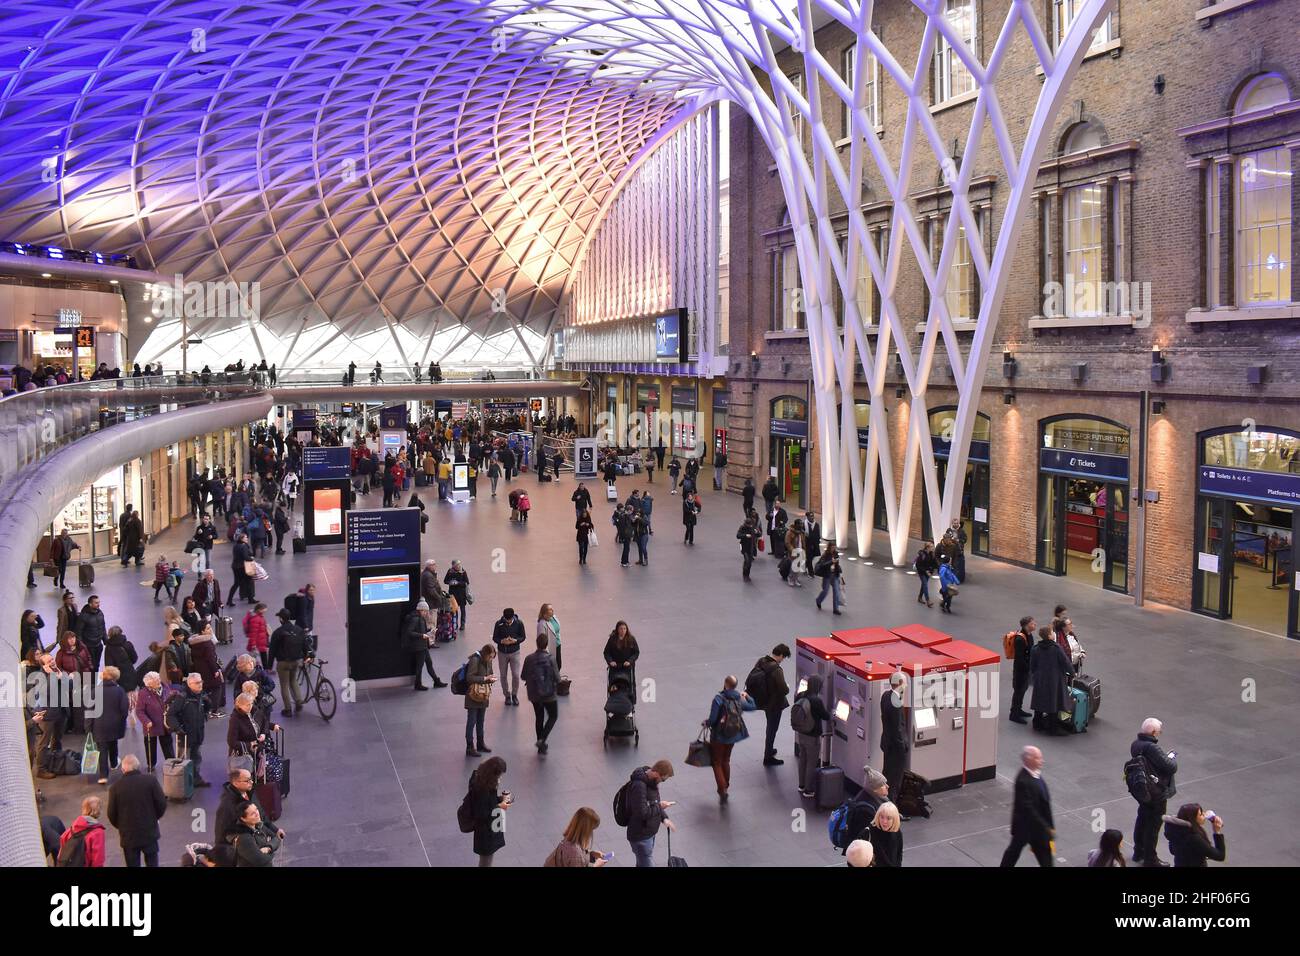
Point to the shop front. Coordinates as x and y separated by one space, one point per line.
647 404
1247 523
1083 500
684 417
974 514
719 421
788 449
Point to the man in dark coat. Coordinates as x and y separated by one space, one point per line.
235 795
777 519
1049 670
770 492
747 495
1031 814
135 805
243 586
415 640
132 539
1024 644
91 629
894 745
187 715
776 698
748 536
289 646
812 538
645 811
1163 766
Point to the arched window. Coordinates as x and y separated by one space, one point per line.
1080 138
1261 92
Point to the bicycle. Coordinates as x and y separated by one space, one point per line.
314 685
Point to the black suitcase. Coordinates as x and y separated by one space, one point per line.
299 546
1092 687
86 574
828 783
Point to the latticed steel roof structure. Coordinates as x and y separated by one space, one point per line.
404 179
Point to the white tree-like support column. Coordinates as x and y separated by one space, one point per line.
729 48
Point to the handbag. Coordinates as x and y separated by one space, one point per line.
697 755
469 598
952 589
479 693
250 568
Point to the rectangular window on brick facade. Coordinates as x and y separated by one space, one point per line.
1046 247
1118 229
1063 14
787 296
951 77
1212 235
1083 253
796 114
1263 218
871 88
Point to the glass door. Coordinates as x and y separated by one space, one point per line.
1213 562
1116 529
978 485
1051 523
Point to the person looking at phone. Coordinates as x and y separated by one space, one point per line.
1162 766
488 808
575 847
646 812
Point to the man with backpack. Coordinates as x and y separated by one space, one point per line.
766 686
1147 759
1022 642
807 717
726 725
542 680
82 844
637 806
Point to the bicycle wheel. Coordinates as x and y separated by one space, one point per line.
304 682
326 699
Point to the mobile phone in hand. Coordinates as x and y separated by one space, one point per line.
607 856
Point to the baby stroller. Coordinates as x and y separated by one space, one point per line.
620 705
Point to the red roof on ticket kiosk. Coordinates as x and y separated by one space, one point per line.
972 655
921 635
865 636
827 648
867 669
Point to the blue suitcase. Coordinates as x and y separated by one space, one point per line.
1079 716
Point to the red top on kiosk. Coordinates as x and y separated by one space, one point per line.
865 636
909 648
920 635
827 648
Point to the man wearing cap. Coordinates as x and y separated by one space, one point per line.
416 630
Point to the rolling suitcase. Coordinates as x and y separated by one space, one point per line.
178 776
85 574
828 784
225 630
1078 713
611 493
268 795
299 546
1092 687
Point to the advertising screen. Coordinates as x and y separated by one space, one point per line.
391 441
386 589
326 461
327 508
387 536
460 477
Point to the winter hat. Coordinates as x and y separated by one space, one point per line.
422 605
872 779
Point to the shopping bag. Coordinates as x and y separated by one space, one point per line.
592 539
90 756
260 573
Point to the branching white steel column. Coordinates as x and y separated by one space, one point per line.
732 46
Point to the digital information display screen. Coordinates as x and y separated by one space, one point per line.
460 477
386 589
389 536
323 462
327 512
303 418
391 441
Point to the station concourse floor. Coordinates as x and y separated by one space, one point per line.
380 784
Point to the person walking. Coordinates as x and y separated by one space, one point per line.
925 565
508 636
280 525
257 634
747 496
622 520
641 533
132 538
795 553
646 811
109 726
135 805
947 584
777 519
1031 812
1160 766
748 536
1188 843
61 548
486 809
621 650
895 747
541 677
479 680
584 528
726 723
690 517
1022 647
674 473
1050 672
768 689
828 569
150 708
241 561
648 463
457 581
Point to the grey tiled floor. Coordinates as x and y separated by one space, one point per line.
381 783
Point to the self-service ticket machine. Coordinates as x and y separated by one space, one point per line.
816 655
983 711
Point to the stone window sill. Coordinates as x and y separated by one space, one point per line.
960 325
1251 313
1206 14
955 101
847 140
1083 322
1113 48
785 334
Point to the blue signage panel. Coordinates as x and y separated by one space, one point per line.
720 399
504 408
442 406
1268 487
388 536
788 428
668 337
303 418
393 417
979 450
683 397
1084 464
326 461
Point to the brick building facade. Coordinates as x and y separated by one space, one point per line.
1171 169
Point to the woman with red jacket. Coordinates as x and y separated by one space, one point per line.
72 656
259 638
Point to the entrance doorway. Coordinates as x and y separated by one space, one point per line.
788 441
974 506
1247 528
1083 506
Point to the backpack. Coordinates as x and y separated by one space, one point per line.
1009 644
1137 777
802 720
293 604
73 852
620 802
837 827
546 682
465 813
731 723
460 680
756 685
